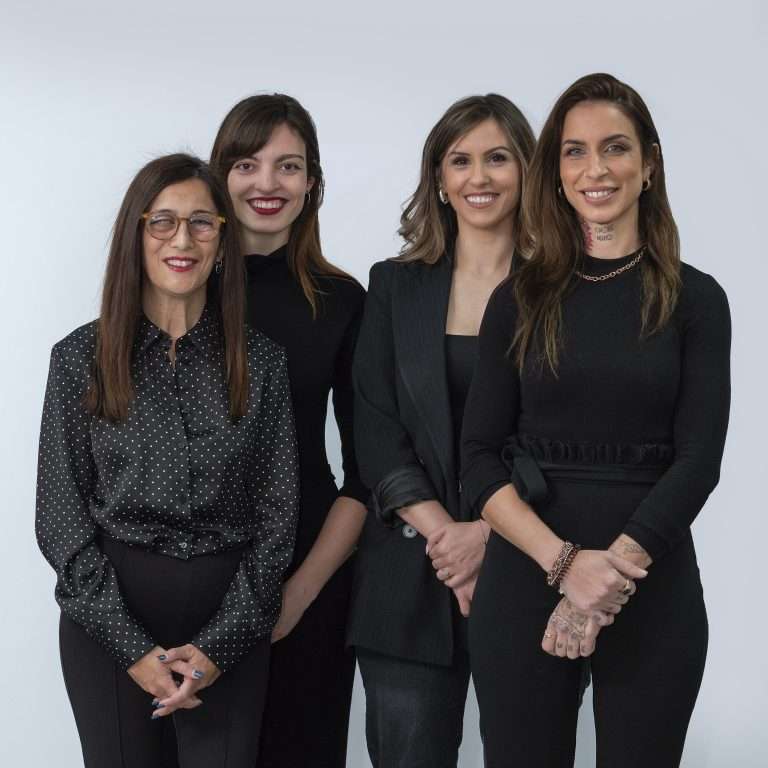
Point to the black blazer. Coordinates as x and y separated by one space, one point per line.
405 449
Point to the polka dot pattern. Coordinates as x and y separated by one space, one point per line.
177 478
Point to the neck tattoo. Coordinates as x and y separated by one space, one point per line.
587 232
604 232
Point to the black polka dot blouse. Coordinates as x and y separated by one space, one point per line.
177 478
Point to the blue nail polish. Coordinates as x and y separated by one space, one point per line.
158 705
155 702
155 715
162 657
197 674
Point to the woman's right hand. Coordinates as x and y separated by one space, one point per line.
596 580
151 675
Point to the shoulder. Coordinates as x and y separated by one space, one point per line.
701 294
341 289
73 355
263 352
393 271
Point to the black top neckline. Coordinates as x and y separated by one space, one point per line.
591 265
257 261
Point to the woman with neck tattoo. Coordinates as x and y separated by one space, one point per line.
593 435
420 552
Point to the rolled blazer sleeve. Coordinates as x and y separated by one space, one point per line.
388 463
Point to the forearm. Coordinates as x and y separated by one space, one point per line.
334 544
626 547
425 516
516 521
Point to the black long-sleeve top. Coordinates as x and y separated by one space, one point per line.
178 477
320 350
613 390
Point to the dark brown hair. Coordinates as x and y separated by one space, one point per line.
556 236
111 388
244 131
428 227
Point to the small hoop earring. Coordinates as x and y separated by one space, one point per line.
443 197
647 184
306 197
218 267
560 190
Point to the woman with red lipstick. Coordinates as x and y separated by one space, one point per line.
593 436
168 487
423 544
267 152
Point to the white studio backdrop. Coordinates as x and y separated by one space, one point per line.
91 91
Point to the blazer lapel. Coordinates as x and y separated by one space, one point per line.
420 308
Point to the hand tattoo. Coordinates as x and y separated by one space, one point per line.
567 619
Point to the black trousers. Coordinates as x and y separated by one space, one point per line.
306 713
646 670
173 599
414 712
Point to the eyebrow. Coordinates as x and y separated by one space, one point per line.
487 152
197 210
612 137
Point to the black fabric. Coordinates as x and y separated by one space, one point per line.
403 420
174 598
177 477
311 674
612 387
414 712
402 486
647 666
460 359
628 438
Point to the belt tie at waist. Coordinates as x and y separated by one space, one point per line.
529 459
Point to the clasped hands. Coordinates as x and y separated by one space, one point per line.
457 551
596 587
153 673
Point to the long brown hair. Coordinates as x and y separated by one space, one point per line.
428 227
556 235
245 130
111 389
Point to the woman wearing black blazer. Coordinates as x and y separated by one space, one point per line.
422 545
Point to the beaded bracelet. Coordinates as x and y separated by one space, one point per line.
562 563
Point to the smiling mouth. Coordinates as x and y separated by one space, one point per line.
481 201
267 206
178 264
598 195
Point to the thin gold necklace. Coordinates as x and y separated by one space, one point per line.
615 272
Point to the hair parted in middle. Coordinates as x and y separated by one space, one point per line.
428 227
244 131
556 235
111 388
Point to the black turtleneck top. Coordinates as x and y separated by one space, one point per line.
615 395
320 353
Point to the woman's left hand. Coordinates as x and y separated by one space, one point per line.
457 551
197 669
571 633
295 601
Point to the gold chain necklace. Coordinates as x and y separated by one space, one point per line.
615 272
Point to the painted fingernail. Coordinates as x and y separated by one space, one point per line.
155 715
158 705
155 702
162 657
197 674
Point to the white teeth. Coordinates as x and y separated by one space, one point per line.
480 199
179 262
597 195
268 204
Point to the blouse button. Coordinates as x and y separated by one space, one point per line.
409 532
183 544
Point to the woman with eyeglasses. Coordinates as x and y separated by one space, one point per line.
593 435
267 153
168 487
